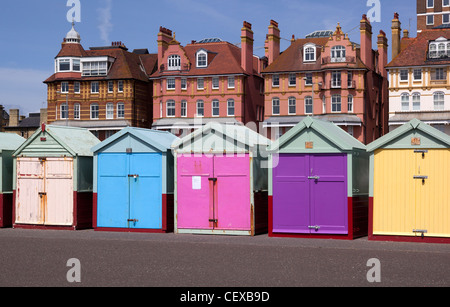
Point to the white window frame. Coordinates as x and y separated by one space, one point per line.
414 74
183 108
121 110
200 83
174 62
110 87
170 84
336 103
215 83
64 111
350 103
439 105
231 111
65 61
404 99
202 59
95 87
110 110
309 50
309 103
77 87
200 105
275 80
183 83
428 4
430 22
275 104
120 86
77 111
292 79
445 5
215 105
308 81
170 108
416 104
401 75
64 87
446 16
94 68
338 54
76 62
336 79
95 112
292 103
231 82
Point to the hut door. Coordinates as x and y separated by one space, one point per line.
195 192
232 192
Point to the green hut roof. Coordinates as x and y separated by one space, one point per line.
10 141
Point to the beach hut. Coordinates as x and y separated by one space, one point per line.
9 142
53 179
221 181
410 185
318 183
133 181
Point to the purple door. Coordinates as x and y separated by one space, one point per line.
310 194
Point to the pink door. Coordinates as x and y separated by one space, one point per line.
214 192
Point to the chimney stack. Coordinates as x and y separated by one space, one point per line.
164 38
366 52
396 31
13 117
247 47
382 53
273 41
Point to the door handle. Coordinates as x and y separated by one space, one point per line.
213 220
133 220
423 178
314 227
133 176
314 177
42 194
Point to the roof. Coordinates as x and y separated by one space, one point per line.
161 140
334 134
242 134
94 124
33 121
338 119
224 58
414 50
320 33
77 141
127 65
10 141
414 125
427 117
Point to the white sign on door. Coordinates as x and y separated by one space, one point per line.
196 183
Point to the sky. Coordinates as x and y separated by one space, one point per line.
31 31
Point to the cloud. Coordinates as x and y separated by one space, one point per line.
23 89
105 17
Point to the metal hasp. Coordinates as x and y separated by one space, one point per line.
316 228
133 176
422 231
213 179
213 220
314 177
423 178
133 220
422 151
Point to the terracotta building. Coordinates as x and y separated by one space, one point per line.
419 85
103 89
432 13
327 76
208 80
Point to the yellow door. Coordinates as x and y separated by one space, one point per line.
433 193
394 192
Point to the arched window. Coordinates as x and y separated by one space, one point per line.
202 59
338 54
174 62
309 53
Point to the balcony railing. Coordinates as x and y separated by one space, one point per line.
333 60
438 55
340 84
166 68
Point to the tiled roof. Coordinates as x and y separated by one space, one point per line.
414 50
223 58
127 65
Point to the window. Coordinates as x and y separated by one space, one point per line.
308 79
95 68
405 102
64 64
439 101
445 18
95 87
200 108
350 79
120 110
275 80
120 86
230 107
439 74
430 4
76 111
336 79
231 82
76 87
215 107
170 108
183 83
292 106
445 2
336 103
183 108
109 111
275 106
202 59
64 111
76 65
200 83
404 75
174 62
430 19
215 82
170 83
110 86
292 80
338 54
350 103
308 105
309 54
324 105
417 74
416 101
64 87
95 110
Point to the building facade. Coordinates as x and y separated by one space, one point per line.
208 80
419 85
103 89
327 76
432 13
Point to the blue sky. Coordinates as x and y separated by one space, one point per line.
31 31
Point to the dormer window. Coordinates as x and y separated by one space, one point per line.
440 48
202 58
338 54
309 53
96 66
174 62
68 64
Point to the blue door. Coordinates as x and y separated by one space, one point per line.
130 191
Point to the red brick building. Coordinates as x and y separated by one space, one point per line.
326 75
103 89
